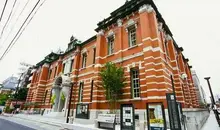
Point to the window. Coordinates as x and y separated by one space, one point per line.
110 45
135 84
166 48
91 90
84 58
45 96
71 65
132 36
80 92
94 54
68 66
64 67
49 75
55 72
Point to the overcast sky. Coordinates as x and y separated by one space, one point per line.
194 24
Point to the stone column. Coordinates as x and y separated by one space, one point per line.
56 91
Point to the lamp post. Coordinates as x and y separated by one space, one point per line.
69 105
213 101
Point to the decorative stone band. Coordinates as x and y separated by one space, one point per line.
146 8
46 65
101 33
119 22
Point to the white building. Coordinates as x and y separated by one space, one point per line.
199 89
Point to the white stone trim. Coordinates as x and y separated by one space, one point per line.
160 26
168 37
146 8
150 48
153 90
149 38
99 57
119 23
101 33
46 65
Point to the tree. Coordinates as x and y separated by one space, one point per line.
21 94
3 99
112 80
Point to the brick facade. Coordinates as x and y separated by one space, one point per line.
155 54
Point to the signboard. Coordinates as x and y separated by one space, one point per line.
173 112
156 117
106 121
107 118
127 117
82 111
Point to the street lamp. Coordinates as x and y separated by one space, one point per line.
213 101
70 98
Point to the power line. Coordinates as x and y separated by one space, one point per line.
8 19
18 31
15 22
3 10
25 26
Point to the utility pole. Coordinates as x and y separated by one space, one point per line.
16 91
213 101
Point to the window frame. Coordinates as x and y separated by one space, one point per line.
166 48
91 93
94 55
130 40
137 83
71 66
55 72
80 98
111 42
49 74
84 60
63 67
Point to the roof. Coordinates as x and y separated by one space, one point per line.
49 59
121 12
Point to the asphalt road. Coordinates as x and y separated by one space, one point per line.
7 125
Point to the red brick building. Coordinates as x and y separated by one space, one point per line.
134 36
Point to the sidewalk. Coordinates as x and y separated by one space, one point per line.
52 121
211 123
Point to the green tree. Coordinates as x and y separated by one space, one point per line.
21 94
4 98
113 81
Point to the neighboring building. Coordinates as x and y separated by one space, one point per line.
199 89
9 85
26 77
134 36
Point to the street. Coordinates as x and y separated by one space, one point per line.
8 122
8 125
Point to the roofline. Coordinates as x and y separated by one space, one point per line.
88 40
